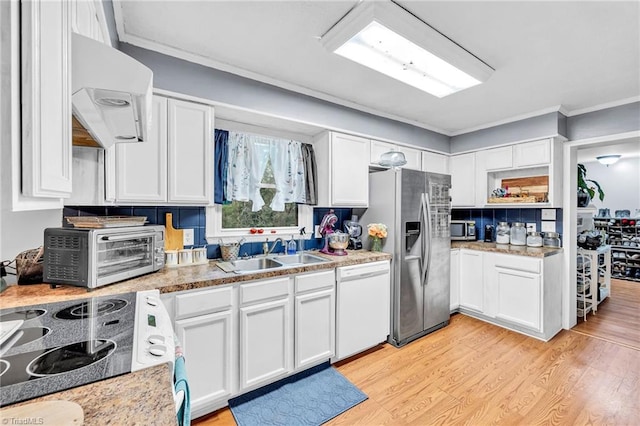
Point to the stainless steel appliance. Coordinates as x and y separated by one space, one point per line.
62 345
354 229
95 257
463 230
416 208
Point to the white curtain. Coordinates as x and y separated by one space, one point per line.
248 158
288 172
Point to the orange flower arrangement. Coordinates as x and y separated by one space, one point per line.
376 231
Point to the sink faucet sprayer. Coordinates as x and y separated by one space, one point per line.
265 246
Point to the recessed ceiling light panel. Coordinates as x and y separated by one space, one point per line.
384 37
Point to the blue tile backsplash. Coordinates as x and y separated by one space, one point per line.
493 216
195 218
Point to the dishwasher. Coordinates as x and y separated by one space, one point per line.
363 295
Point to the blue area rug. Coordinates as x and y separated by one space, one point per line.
311 397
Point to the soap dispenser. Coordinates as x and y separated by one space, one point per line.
291 246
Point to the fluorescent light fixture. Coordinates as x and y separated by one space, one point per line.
386 38
608 159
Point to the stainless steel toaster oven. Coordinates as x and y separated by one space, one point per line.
95 257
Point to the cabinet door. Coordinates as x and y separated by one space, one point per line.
377 149
148 183
498 158
518 297
463 178
190 159
534 153
455 280
435 163
208 348
265 342
314 327
413 156
471 281
349 171
46 98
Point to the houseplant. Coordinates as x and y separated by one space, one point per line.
586 192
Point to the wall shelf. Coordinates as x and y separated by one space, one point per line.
623 235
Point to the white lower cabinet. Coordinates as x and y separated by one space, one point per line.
315 313
518 292
265 332
471 280
205 324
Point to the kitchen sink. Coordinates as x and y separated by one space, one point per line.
300 259
255 264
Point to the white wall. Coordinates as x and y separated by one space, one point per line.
620 183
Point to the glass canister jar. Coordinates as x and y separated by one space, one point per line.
502 233
518 234
551 239
534 239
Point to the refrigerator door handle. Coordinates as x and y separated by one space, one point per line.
426 238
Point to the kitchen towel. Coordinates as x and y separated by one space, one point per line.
311 397
181 384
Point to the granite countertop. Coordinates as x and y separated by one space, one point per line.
171 279
137 397
507 248
134 398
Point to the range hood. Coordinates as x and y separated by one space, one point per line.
111 93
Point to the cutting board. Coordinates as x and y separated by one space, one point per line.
51 412
173 237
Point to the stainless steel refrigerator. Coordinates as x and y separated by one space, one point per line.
416 208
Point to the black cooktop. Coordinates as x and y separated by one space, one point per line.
66 344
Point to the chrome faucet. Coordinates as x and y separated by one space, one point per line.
267 252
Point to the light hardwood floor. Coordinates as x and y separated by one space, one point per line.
475 373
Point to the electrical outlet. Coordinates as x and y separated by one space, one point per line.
531 227
187 237
548 214
317 233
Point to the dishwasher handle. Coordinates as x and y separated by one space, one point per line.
349 273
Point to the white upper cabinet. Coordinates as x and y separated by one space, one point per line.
343 170
148 183
85 21
413 156
435 163
190 158
463 186
177 157
537 153
497 158
46 99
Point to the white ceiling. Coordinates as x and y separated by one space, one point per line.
628 148
547 54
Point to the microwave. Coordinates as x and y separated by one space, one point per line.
463 230
95 257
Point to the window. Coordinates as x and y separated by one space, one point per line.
237 218
239 214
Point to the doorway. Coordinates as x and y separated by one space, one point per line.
610 322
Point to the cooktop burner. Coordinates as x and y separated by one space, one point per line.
48 353
31 334
22 315
91 309
70 357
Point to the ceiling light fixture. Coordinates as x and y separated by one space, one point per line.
388 39
608 159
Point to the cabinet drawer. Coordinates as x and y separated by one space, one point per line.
264 290
519 263
315 281
203 302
